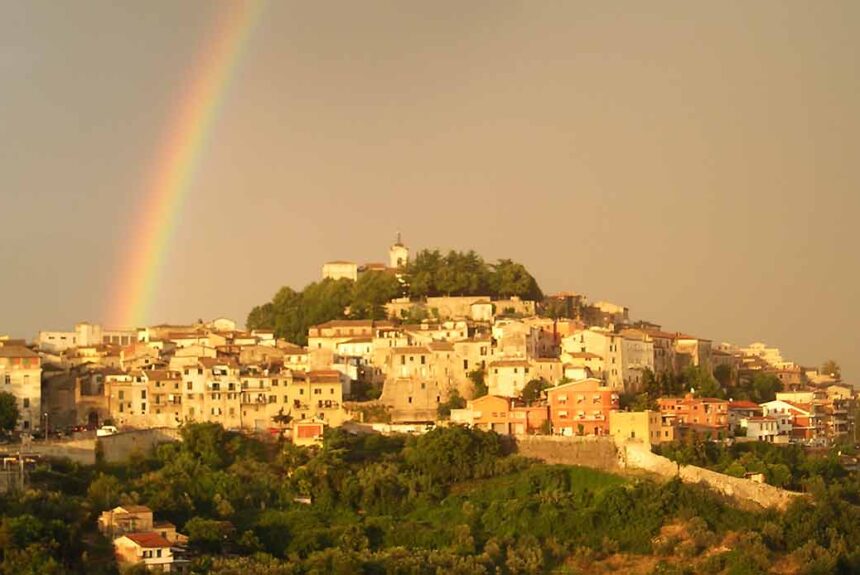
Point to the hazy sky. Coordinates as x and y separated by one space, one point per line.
697 162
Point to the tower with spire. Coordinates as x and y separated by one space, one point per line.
398 254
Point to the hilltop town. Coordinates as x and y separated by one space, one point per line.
449 381
557 365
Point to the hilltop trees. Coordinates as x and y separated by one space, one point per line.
432 274
291 312
830 367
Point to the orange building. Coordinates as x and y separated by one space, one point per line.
502 415
700 414
581 407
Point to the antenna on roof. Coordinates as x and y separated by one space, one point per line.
398 239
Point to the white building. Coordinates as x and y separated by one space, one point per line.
637 355
598 342
340 270
398 255
21 375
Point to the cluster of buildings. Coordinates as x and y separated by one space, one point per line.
588 354
139 539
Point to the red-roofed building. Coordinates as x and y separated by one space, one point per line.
702 415
581 407
148 548
740 411
807 421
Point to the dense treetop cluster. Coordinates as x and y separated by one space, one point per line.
428 274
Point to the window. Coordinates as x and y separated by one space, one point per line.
188 385
410 399
26 402
8 379
143 394
317 391
423 360
121 395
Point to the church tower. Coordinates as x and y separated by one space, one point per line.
398 254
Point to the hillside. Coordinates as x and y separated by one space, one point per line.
450 501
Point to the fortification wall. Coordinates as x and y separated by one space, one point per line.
121 446
603 453
588 451
81 451
639 456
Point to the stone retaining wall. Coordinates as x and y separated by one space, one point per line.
602 453
639 456
588 451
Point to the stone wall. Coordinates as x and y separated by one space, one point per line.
588 451
639 456
81 451
121 446
602 453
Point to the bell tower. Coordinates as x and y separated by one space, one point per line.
398 254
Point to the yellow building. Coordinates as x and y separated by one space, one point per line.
643 426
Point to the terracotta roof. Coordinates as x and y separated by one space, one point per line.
743 405
801 406
163 525
345 323
16 351
358 340
585 355
441 346
510 363
324 375
148 540
159 374
415 349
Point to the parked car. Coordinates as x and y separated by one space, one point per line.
105 430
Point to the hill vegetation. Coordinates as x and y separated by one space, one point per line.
428 274
451 501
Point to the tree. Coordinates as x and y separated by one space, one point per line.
104 492
831 368
208 535
702 382
8 412
533 390
455 401
370 294
509 278
723 374
479 386
764 387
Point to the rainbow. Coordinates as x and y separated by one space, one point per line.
177 162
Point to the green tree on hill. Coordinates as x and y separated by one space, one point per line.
370 294
533 390
8 412
830 367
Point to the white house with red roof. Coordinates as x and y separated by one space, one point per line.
148 548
